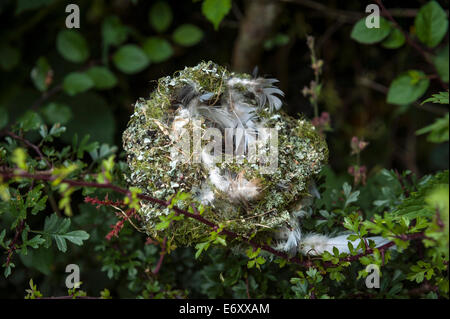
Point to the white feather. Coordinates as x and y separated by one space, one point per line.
315 244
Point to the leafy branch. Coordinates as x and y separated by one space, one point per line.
8 174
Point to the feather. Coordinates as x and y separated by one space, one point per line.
315 244
206 97
288 238
238 189
187 93
264 90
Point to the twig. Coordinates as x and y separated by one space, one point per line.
232 235
46 95
161 257
13 245
347 15
247 288
30 145
411 42
381 249
383 89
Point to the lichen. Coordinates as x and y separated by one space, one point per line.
147 141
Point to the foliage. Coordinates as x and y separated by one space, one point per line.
64 101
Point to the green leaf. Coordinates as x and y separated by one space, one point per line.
76 237
187 35
278 40
57 113
438 131
30 121
157 49
8 269
91 116
365 35
440 98
41 259
72 46
103 78
9 57
77 82
431 24
216 10
57 229
441 63
3 117
113 31
394 40
160 16
130 59
201 247
407 88
40 74
35 242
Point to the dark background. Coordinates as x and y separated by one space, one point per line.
355 76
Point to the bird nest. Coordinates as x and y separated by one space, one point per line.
253 196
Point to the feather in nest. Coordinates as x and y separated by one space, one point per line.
234 112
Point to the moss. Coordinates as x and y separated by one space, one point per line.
301 154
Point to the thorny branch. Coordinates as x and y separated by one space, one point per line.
347 15
8 174
161 257
29 144
13 245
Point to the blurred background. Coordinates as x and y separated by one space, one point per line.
162 37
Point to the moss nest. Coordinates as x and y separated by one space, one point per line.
235 194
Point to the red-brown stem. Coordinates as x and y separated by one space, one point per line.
13 245
296 260
161 257
30 145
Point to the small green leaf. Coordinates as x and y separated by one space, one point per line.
201 247
103 78
57 113
157 49
76 237
40 74
57 229
394 40
19 157
130 59
187 35
77 82
431 24
160 16
278 40
113 31
216 10
440 98
407 88
72 46
438 131
365 35
30 121
441 63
